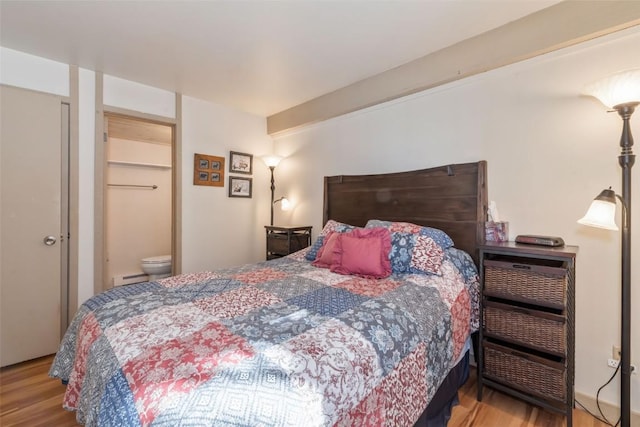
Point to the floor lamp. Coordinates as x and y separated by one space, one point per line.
272 162
620 92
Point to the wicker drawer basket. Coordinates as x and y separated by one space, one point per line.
525 372
536 284
533 328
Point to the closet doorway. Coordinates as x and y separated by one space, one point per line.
137 196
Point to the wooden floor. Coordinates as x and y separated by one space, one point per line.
28 397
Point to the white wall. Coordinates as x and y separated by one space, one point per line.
219 231
549 152
32 72
138 97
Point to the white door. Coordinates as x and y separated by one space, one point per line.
31 250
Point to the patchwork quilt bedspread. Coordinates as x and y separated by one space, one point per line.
278 343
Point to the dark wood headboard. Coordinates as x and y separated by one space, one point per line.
452 198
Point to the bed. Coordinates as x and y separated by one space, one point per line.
350 331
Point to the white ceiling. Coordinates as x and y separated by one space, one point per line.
258 56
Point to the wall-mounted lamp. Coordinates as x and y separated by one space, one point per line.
272 162
619 92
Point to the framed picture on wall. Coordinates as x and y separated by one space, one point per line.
208 170
240 162
239 186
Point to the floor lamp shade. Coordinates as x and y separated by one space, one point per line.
271 161
617 89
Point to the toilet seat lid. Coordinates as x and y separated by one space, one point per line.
157 259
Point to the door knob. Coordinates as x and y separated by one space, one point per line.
49 240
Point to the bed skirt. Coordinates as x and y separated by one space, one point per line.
439 409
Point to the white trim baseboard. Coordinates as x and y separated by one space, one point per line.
611 411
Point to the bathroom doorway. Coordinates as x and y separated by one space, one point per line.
137 196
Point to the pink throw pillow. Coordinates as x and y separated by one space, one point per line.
324 259
363 252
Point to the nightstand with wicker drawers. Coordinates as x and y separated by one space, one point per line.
527 334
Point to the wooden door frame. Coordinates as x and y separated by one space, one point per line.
73 196
65 218
100 173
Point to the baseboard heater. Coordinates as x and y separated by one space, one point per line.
128 279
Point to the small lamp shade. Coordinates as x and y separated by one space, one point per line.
271 161
285 204
617 89
602 212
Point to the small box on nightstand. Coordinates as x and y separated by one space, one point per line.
496 231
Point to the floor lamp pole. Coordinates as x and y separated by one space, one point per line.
273 188
626 160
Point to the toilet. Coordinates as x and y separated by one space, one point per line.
157 267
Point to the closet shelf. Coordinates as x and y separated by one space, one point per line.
145 165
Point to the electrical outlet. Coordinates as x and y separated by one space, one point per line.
615 353
613 363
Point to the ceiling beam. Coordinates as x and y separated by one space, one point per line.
561 25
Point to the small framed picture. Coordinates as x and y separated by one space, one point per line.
239 186
240 162
208 170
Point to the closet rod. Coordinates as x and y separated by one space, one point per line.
153 187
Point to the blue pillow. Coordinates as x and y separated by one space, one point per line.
312 253
438 236
415 253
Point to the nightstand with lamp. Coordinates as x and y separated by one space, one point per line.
283 240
